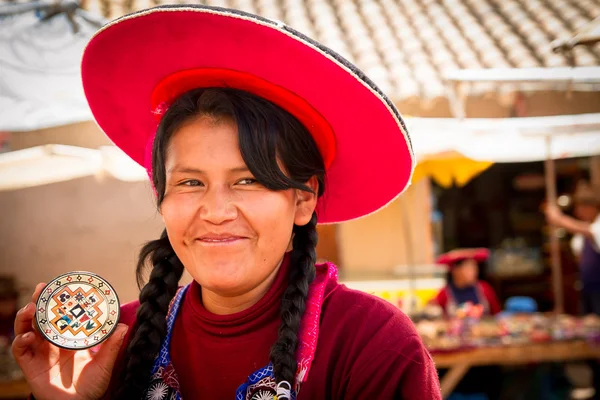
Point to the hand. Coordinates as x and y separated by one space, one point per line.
553 215
55 373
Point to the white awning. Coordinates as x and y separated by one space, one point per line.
43 165
564 75
53 163
507 139
40 83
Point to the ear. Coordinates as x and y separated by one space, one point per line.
306 202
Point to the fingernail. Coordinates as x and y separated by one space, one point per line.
27 307
27 335
124 331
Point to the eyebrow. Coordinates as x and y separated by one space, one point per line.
191 170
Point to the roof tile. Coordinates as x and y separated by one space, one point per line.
406 45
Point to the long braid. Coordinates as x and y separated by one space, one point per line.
151 325
293 304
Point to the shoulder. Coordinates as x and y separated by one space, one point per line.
349 305
442 296
128 312
488 290
364 336
486 286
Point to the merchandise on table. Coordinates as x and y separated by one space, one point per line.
508 329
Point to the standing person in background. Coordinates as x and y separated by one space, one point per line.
586 241
586 246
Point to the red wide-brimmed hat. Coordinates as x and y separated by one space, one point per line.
136 66
455 256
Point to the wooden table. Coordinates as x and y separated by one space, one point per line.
459 363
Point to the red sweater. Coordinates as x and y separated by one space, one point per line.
367 348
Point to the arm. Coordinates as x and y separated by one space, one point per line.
441 299
557 218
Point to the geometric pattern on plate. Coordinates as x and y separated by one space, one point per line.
77 310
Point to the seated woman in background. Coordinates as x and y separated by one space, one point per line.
463 282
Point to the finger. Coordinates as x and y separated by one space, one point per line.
22 347
109 350
24 319
38 290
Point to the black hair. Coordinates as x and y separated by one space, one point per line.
267 135
481 268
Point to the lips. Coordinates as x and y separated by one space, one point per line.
220 238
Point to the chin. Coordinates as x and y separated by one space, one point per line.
220 277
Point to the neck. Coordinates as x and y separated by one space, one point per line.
225 305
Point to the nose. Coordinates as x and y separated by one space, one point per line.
217 206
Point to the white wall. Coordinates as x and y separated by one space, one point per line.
84 224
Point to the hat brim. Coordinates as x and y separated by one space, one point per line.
455 256
126 60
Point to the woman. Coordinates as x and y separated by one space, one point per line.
464 285
252 117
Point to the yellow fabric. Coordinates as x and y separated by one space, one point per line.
449 169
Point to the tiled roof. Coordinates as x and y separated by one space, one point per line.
406 45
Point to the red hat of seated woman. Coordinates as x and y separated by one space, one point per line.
455 256
167 51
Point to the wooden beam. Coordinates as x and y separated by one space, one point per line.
550 174
453 378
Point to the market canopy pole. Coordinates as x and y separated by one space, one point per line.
550 175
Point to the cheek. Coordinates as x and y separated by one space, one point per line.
271 216
473 273
178 213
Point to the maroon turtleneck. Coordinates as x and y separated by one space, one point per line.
214 354
367 348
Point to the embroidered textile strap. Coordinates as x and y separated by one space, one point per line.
164 358
309 326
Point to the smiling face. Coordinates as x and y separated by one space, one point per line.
229 231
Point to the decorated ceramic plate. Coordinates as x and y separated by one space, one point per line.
77 310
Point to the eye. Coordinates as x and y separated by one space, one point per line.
191 182
247 181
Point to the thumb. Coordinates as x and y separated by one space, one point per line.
109 350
